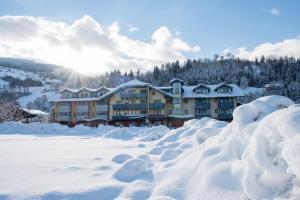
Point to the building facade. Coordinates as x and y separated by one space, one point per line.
136 103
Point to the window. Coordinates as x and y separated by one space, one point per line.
102 113
64 104
118 102
202 111
177 100
170 112
153 93
156 101
177 91
186 112
177 111
202 91
186 101
143 101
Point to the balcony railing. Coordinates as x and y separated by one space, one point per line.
157 106
128 117
133 95
202 105
225 104
225 116
129 106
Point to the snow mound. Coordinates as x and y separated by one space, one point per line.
121 158
133 169
169 154
256 156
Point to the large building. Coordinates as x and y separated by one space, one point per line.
137 103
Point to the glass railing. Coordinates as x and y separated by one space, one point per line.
225 104
129 106
157 105
202 105
127 117
133 95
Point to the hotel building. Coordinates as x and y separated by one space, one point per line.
136 103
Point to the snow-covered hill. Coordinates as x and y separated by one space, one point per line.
256 156
22 75
48 85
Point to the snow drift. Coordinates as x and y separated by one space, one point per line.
256 156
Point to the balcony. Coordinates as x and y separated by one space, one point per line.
133 95
129 106
225 116
225 104
157 106
202 105
128 117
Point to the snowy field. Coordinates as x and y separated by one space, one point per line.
256 156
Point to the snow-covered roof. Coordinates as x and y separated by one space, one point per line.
84 88
3 83
176 79
75 99
201 85
134 83
35 112
222 84
188 91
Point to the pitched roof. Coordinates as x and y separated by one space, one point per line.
133 83
176 80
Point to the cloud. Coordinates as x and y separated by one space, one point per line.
275 11
132 28
287 47
86 45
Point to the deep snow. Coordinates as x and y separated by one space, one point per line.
256 156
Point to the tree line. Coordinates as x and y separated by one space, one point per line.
256 73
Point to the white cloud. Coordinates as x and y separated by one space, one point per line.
132 28
86 45
288 47
275 11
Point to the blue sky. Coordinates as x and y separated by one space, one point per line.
214 25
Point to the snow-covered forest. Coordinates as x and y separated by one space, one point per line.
257 73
